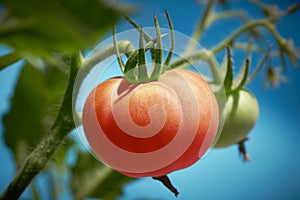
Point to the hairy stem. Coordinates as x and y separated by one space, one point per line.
201 26
248 26
39 157
230 14
124 46
120 61
194 57
245 46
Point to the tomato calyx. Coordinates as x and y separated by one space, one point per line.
243 78
232 85
135 69
241 104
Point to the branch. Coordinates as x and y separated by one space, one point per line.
194 57
230 14
245 46
248 26
201 26
203 55
40 156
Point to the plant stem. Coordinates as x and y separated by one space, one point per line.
124 46
229 14
201 26
39 157
202 55
248 26
135 25
193 57
260 65
120 61
245 46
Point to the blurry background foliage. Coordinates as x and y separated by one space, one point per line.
44 36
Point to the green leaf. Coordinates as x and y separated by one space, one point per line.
41 27
58 169
93 179
32 108
8 59
60 155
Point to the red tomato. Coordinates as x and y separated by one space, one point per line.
153 128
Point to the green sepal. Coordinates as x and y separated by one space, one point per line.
146 36
167 61
129 71
229 72
242 77
158 53
142 68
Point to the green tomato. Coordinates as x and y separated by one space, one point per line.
241 115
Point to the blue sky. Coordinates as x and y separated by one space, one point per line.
273 173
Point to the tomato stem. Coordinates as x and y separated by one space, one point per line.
242 150
201 26
167 182
181 62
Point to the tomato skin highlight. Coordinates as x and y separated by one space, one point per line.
153 128
242 111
